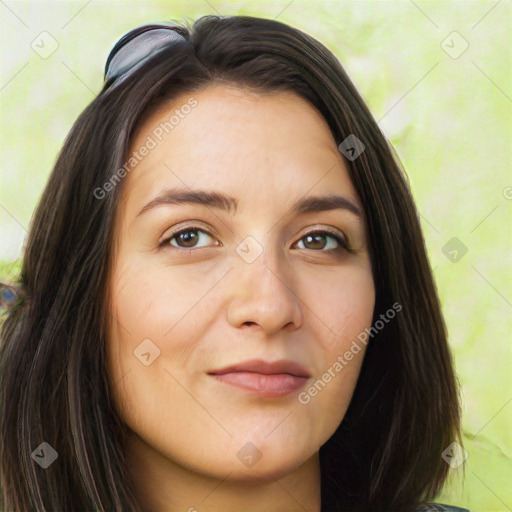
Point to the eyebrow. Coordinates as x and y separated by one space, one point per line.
222 201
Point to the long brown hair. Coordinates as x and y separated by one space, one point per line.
385 455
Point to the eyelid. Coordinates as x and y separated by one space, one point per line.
331 231
170 233
339 236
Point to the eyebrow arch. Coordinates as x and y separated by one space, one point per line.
222 201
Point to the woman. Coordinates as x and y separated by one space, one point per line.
227 303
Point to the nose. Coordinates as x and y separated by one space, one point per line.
262 297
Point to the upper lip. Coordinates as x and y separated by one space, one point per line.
265 368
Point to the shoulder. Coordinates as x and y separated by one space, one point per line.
438 507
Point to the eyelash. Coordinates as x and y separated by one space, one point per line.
341 241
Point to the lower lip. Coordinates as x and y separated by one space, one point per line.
264 385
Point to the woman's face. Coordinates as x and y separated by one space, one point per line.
201 283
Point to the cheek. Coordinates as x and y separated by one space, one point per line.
151 299
328 395
343 302
157 303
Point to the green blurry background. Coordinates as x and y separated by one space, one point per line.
447 110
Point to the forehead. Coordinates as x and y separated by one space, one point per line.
249 144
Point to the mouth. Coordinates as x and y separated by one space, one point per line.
263 378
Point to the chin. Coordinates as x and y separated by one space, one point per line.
264 461
262 471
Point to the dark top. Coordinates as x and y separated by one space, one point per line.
438 507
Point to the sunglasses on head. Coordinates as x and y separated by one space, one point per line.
138 45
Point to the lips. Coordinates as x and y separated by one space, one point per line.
270 379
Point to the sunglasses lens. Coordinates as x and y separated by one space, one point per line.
137 46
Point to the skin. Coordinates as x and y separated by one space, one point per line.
211 308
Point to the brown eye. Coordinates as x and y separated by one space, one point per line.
186 238
322 241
